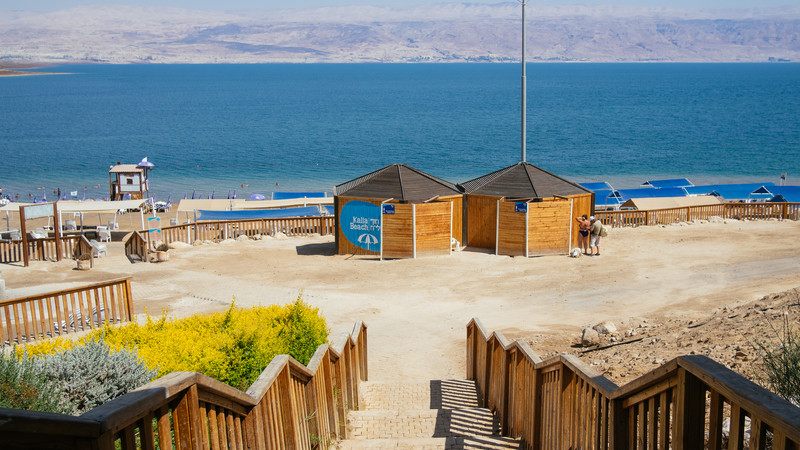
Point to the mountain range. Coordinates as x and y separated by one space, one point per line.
451 32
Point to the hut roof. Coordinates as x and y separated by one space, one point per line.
399 182
125 168
522 180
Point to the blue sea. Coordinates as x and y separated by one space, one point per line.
216 129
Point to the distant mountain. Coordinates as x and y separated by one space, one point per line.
454 32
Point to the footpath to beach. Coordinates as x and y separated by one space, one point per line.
417 310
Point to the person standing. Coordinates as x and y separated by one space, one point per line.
594 236
583 233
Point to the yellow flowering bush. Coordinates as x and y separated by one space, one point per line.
232 346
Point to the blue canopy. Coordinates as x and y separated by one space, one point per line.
304 211
786 193
290 195
673 183
627 194
741 191
601 186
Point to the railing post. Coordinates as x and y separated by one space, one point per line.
689 412
618 426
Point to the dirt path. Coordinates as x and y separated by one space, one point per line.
417 310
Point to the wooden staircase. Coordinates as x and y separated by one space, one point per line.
436 414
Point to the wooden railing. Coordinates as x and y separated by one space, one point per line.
59 313
563 403
136 245
750 211
288 406
217 231
38 249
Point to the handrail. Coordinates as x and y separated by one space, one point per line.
666 216
563 403
65 311
288 406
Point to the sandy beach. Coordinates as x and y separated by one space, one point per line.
417 310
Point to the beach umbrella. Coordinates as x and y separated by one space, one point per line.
145 163
256 197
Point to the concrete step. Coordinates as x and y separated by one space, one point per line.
433 394
393 424
448 443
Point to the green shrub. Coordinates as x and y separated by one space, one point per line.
781 362
24 386
234 346
90 375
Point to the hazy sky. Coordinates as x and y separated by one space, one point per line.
49 5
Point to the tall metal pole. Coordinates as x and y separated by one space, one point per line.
524 85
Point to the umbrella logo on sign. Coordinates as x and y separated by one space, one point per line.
367 239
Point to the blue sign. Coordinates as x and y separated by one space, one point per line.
521 207
361 224
388 209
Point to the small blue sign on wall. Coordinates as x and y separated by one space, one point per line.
361 224
521 207
388 209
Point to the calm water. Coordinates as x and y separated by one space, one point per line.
214 128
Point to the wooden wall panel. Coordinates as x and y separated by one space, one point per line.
433 228
344 246
481 221
549 227
581 204
397 233
511 230
458 216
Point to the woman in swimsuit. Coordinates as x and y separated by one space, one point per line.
583 233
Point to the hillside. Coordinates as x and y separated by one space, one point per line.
454 32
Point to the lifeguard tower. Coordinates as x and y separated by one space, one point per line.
129 181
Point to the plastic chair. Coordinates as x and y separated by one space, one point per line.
39 233
103 234
70 225
98 248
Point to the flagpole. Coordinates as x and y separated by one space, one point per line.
524 86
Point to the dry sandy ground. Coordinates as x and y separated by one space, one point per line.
417 310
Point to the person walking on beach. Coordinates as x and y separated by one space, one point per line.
594 236
583 233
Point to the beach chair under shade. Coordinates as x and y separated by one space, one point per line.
39 233
98 248
103 234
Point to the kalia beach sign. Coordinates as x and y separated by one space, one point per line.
361 224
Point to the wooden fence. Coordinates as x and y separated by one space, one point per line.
68 311
220 230
562 403
289 406
38 249
741 211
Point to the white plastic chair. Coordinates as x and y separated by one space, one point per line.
103 234
70 225
39 233
98 248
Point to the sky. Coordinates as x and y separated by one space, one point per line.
52 5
